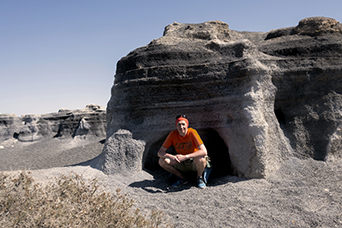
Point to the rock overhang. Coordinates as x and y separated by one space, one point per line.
238 84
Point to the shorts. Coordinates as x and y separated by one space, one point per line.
186 166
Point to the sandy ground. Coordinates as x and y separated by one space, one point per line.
302 193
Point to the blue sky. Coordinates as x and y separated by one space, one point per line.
63 54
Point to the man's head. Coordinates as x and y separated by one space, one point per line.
182 124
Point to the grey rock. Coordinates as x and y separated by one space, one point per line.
312 26
121 154
84 123
255 98
10 125
30 132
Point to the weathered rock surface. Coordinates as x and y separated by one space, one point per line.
84 123
122 153
255 98
10 125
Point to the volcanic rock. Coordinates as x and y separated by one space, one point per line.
122 153
10 125
256 98
84 123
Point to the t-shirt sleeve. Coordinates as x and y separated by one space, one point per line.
197 139
168 141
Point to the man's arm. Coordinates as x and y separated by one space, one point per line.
162 154
202 151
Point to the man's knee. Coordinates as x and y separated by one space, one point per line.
163 162
201 160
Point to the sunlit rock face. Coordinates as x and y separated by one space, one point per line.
255 98
84 123
10 125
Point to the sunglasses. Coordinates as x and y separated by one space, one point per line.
183 116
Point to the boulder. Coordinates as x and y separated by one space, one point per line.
256 98
121 154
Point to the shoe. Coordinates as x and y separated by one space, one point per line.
200 183
179 183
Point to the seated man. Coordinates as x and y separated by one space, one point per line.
191 153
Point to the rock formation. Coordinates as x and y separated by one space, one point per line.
256 98
84 123
10 125
122 153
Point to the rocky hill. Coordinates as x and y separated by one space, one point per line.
256 98
65 138
87 122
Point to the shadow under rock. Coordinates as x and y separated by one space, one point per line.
162 182
216 181
91 162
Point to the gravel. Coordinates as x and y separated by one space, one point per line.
302 193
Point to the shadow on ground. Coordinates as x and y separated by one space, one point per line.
162 182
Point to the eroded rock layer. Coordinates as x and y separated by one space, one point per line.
255 98
84 123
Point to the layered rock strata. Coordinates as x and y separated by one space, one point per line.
84 123
255 98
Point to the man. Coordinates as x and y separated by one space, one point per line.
191 153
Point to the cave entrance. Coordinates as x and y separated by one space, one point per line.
217 151
216 147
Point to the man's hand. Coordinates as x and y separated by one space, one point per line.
180 158
202 151
174 159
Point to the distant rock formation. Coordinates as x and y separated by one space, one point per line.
84 123
256 98
10 125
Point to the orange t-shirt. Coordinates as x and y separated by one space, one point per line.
184 145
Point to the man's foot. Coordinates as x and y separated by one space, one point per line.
201 183
179 182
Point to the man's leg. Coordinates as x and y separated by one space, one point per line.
200 163
168 166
